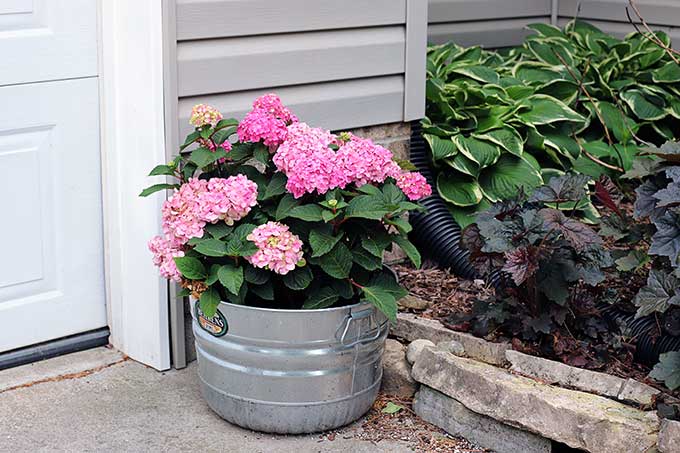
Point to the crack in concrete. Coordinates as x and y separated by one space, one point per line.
64 377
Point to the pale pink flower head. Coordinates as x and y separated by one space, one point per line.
229 199
307 161
182 213
279 250
164 251
204 114
362 161
198 202
414 185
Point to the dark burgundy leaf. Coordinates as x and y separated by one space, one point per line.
580 235
521 263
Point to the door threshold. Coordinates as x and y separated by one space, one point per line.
54 348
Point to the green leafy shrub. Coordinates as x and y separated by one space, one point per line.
572 99
546 254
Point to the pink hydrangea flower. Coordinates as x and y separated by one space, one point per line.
279 249
272 104
198 202
362 161
414 185
267 121
164 251
226 146
259 125
204 114
307 161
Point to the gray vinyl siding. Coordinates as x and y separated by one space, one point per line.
610 15
337 64
489 23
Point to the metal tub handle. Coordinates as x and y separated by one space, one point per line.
373 326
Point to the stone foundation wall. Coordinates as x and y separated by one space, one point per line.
394 136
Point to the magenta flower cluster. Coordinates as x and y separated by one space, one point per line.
310 164
267 122
204 114
414 185
279 249
197 203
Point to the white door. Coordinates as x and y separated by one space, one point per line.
51 257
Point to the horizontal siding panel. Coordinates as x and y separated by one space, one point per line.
474 10
333 105
620 30
658 12
490 34
199 19
225 65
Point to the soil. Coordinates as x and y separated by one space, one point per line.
404 426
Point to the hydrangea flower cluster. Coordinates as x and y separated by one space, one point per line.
311 165
414 185
190 208
164 251
307 161
266 122
362 161
204 114
279 249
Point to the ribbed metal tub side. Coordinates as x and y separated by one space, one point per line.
292 371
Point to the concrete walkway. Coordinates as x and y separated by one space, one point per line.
97 401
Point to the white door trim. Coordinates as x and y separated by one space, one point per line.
133 142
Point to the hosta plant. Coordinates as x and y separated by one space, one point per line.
573 98
543 255
272 212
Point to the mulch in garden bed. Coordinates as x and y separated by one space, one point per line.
404 426
449 298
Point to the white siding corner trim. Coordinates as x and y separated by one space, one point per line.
132 120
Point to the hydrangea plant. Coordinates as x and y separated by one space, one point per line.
273 212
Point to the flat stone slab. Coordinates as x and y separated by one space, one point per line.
450 415
669 436
411 327
552 372
578 419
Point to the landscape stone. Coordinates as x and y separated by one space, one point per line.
397 378
450 415
580 420
637 392
410 327
669 436
552 372
415 348
413 303
453 346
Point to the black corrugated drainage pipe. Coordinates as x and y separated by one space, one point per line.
437 236
435 233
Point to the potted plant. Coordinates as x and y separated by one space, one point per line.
277 230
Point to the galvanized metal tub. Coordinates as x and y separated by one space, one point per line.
290 371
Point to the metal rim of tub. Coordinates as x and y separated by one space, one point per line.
291 371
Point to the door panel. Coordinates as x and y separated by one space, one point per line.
47 40
51 265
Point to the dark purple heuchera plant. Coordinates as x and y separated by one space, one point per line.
658 199
541 253
272 212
